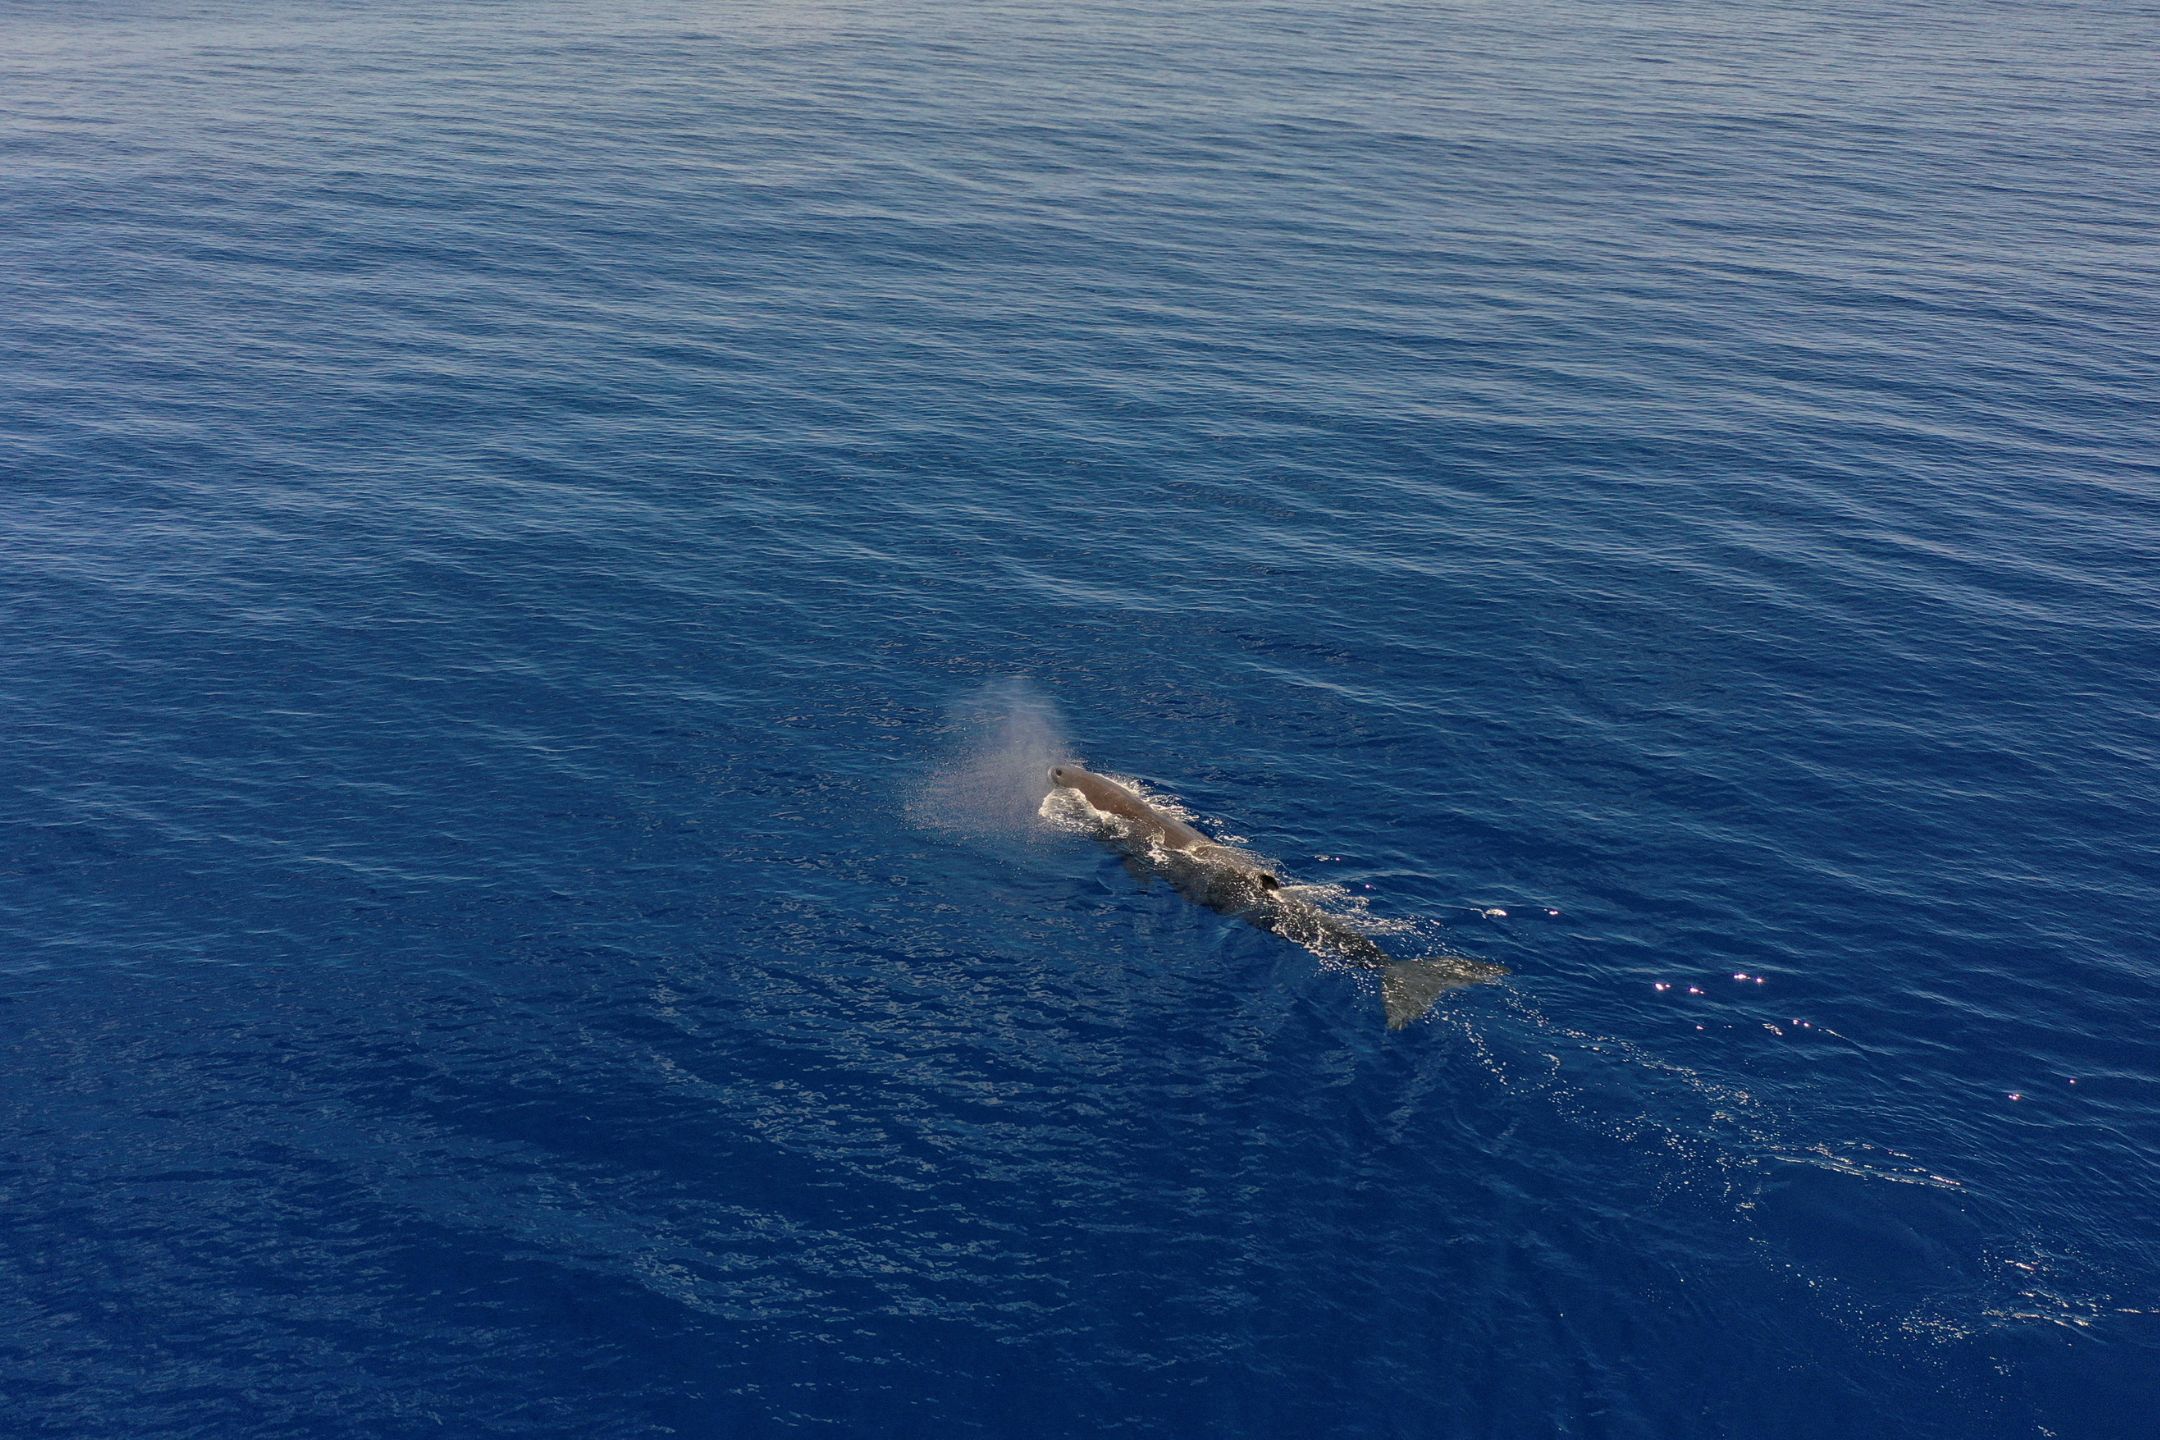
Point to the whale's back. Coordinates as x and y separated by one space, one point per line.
1226 879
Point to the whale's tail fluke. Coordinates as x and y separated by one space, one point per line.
1412 987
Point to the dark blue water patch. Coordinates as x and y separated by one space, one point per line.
539 551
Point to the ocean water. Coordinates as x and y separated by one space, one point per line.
543 547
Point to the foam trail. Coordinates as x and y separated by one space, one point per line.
1007 738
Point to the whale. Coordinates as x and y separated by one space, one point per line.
1234 882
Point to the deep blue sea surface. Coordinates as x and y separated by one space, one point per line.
543 548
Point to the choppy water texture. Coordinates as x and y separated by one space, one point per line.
537 539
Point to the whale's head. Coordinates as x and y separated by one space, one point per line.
1063 774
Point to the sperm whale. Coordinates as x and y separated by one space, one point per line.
1235 883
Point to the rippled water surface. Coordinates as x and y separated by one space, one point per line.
543 547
